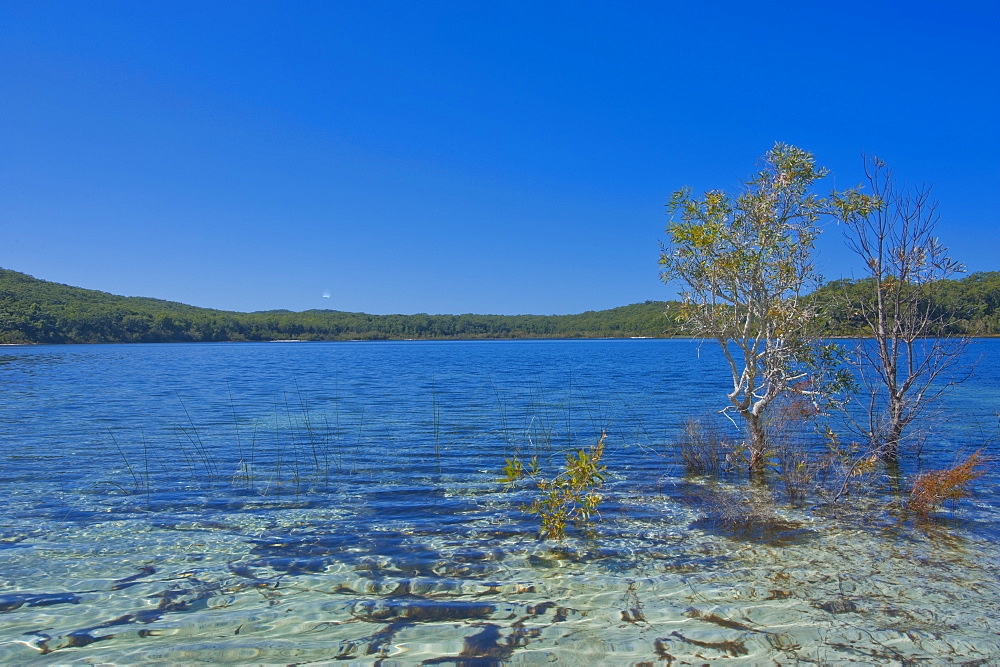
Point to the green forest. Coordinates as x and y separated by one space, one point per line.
39 311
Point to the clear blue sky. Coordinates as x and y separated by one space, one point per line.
450 157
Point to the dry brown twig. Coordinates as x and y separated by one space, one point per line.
931 489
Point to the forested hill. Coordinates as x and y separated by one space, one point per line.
969 306
38 311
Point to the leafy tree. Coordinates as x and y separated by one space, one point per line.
745 262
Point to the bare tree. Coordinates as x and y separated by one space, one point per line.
911 358
745 264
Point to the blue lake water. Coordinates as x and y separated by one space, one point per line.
297 502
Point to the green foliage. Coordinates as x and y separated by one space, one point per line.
748 257
569 497
514 470
37 311
967 306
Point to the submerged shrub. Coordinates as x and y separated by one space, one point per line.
739 507
791 424
702 449
931 489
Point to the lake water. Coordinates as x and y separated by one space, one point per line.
312 502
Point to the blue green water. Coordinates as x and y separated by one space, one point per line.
297 502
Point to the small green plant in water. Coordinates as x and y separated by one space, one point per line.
570 496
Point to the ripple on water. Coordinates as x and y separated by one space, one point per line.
391 542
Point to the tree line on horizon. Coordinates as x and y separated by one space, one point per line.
39 311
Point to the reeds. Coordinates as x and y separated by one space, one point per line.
297 459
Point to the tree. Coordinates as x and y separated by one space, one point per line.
745 263
911 359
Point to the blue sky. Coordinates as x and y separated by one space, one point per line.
450 157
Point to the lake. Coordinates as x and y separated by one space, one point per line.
298 502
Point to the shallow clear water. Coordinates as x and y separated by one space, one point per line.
312 502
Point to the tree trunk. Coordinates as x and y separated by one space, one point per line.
758 442
889 451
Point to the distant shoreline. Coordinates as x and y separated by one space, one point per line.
431 340
34 311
